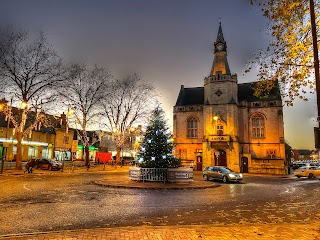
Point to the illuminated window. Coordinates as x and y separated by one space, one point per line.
258 126
219 130
192 126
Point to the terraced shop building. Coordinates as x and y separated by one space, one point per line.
223 123
51 141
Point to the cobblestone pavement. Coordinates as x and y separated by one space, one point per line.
307 231
286 231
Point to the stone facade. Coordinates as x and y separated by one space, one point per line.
223 123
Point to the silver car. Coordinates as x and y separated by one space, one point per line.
221 173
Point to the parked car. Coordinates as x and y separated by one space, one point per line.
221 173
307 171
297 165
304 164
45 163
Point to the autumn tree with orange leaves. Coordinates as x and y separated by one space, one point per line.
289 58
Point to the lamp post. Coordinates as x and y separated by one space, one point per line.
316 65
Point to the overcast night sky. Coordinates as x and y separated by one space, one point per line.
168 42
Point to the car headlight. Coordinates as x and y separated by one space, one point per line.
231 175
240 174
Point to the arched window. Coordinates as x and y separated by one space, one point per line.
192 127
257 126
220 130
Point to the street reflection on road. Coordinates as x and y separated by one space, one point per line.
236 189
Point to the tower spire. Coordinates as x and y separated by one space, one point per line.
220 37
220 62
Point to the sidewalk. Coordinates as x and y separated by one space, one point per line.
303 231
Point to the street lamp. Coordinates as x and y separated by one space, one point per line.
24 104
315 64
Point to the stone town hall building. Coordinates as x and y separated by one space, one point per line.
223 123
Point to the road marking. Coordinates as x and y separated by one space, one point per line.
24 186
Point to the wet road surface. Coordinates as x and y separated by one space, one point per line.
32 203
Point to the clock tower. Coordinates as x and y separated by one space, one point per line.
223 123
220 109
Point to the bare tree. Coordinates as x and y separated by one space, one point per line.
82 94
29 71
128 102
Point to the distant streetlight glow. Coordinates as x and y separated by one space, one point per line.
24 104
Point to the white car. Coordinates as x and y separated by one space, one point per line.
307 171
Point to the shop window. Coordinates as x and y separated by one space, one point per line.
14 150
32 152
45 152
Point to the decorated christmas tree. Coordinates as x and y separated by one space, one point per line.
156 147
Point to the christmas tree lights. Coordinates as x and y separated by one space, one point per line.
156 148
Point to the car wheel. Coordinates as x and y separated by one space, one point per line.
298 176
224 179
310 175
50 168
205 177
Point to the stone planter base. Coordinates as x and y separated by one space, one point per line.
161 174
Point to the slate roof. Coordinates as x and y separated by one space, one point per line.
195 96
190 96
304 152
245 93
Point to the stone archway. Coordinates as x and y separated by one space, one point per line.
220 158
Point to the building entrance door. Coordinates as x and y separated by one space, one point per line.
244 164
220 158
199 163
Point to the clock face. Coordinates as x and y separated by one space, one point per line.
220 46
